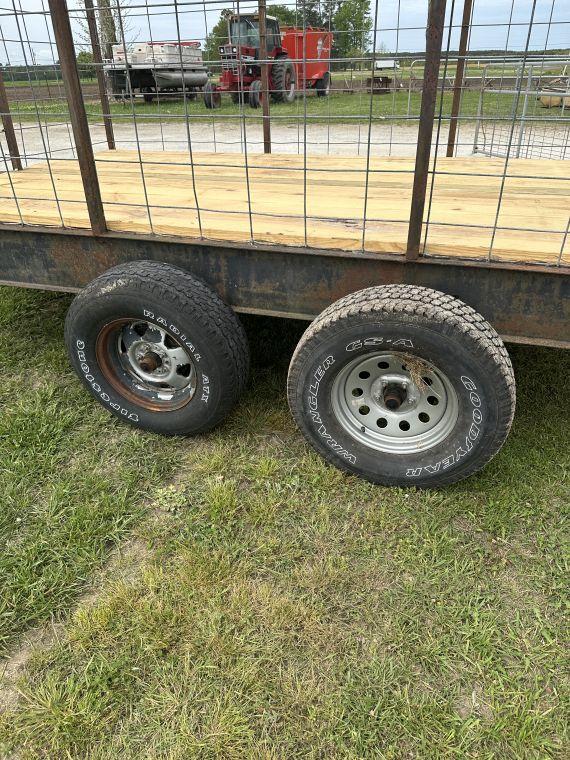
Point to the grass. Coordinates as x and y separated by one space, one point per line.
65 497
350 107
276 608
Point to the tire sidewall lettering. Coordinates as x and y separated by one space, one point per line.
313 401
172 328
96 388
461 450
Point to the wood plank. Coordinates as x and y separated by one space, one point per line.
532 217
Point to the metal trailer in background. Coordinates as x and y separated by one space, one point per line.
156 68
402 377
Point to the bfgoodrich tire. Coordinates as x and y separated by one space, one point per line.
158 348
403 386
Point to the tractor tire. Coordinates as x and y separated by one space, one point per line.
158 348
284 81
323 85
255 93
212 97
403 386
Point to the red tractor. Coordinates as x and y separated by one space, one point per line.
301 59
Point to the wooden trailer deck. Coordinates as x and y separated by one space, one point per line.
533 215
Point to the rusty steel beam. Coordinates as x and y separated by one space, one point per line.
98 61
78 116
262 8
525 303
434 36
8 125
459 75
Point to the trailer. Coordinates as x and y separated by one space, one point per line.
413 270
154 68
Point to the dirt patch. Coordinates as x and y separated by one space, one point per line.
12 667
471 704
494 546
124 564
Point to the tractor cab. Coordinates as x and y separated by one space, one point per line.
243 36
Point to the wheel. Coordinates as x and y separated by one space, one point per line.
149 95
212 97
158 348
323 85
255 94
283 76
403 385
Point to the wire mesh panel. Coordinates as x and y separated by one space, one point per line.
541 93
517 204
304 124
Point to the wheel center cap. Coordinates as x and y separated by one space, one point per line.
395 392
394 396
150 362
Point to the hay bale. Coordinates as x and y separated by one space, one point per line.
550 101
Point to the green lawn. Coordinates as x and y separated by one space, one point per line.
339 107
234 597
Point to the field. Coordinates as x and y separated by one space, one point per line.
232 596
341 106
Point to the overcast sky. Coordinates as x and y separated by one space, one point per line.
156 19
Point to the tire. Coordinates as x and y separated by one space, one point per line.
284 81
255 93
323 85
158 348
386 357
212 97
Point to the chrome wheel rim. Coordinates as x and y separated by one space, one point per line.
147 364
395 403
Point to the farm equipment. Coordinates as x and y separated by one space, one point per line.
157 67
300 60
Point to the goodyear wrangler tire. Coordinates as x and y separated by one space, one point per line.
158 348
403 385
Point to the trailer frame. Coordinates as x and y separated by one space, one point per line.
525 303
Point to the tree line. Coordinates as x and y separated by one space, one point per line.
350 22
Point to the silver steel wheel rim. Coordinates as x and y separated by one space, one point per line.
156 363
364 394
